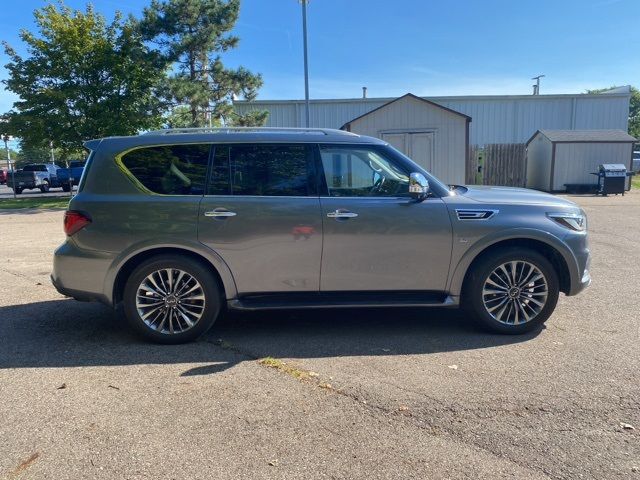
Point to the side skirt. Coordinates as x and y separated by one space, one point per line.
304 300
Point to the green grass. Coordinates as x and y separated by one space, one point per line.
284 368
635 181
35 202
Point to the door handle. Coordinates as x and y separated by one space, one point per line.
219 213
342 214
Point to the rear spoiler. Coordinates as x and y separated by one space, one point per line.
92 144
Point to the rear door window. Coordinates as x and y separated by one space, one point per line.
170 169
262 170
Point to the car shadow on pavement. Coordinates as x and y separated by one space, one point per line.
67 333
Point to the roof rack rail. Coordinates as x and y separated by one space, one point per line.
322 131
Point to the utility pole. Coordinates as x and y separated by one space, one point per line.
6 138
53 159
536 87
306 63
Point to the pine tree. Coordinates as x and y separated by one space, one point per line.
191 35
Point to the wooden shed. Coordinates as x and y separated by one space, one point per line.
556 158
433 136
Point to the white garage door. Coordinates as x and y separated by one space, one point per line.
416 145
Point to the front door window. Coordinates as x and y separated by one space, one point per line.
354 172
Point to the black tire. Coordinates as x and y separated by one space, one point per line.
472 297
17 190
66 187
44 188
201 273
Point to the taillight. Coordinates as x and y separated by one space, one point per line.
74 222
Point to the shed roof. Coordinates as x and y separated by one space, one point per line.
407 95
585 136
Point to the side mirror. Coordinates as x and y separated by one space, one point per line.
418 186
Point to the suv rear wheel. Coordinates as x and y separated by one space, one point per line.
512 292
171 299
44 188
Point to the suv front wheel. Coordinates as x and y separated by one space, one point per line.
512 292
171 299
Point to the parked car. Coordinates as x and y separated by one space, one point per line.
177 226
635 167
68 177
3 176
35 175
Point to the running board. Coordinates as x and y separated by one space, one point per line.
304 300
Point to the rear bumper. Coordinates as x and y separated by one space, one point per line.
25 185
81 274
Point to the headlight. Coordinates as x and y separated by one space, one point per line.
572 221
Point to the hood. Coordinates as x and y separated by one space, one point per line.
514 196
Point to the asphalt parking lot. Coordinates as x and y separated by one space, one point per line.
361 393
6 192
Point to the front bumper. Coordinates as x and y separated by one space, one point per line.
80 273
578 243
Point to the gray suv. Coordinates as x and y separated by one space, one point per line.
178 225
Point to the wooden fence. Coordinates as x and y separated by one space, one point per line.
497 164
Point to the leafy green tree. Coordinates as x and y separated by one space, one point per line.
634 109
82 78
191 35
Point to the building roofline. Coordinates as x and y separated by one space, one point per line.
543 131
406 95
436 98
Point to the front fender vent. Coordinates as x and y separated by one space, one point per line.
473 214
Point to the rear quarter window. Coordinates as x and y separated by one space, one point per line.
169 169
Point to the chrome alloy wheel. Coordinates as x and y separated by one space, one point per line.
515 292
170 301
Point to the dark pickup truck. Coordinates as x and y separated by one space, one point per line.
35 175
68 177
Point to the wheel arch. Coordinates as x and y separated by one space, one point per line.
551 247
126 266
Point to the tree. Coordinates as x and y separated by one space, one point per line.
190 35
82 78
634 109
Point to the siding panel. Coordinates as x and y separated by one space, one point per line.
574 161
506 119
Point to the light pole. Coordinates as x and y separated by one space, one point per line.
6 139
306 63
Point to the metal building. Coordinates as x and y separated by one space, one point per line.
496 119
435 137
556 158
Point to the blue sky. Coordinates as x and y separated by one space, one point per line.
427 47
